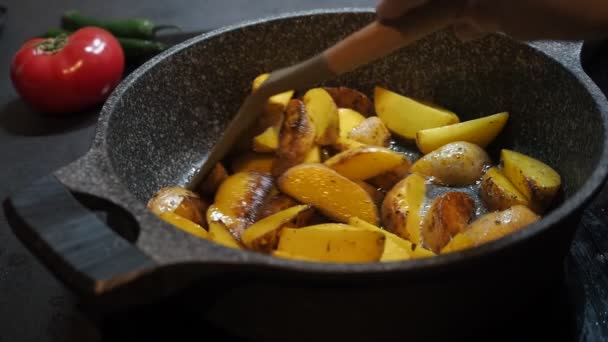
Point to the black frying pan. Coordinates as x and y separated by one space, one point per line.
163 118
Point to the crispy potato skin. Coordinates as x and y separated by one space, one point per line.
372 131
296 138
350 98
449 214
498 193
401 207
239 200
181 202
455 164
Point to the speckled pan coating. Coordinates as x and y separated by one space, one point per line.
162 119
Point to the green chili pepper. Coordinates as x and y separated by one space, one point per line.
136 50
73 20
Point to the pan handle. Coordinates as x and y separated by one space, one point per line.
70 239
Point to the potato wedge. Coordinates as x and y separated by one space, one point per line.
332 242
253 162
480 132
387 180
213 181
493 226
185 225
365 162
296 138
280 202
405 116
455 164
324 114
401 208
497 191
450 213
395 248
348 119
334 195
376 195
533 178
181 202
268 141
264 234
350 98
372 131
218 232
343 144
313 155
239 200
276 104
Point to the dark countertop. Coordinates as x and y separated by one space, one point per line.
35 307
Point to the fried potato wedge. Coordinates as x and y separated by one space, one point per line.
324 114
268 141
332 194
533 178
365 162
401 208
376 195
405 116
348 119
480 132
213 181
253 162
372 131
218 232
455 164
181 202
296 138
497 191
450 213
280 202
395 248
493 226
239 200
264 234
387 180
343 144
185 225
276 104
345 97
332 242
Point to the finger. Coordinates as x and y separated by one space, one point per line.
391 9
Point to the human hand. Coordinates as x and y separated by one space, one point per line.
522 19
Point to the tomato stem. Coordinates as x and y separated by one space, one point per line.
51 46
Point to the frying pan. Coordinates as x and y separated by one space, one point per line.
88 223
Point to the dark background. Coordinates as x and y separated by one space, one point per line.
35 307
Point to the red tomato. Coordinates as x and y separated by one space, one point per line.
68 74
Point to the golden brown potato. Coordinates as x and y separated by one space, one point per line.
455 164
387 180
276 104
376 195
296 139
450 213
343 144
497 191
218 232
334 195
324 114
239 200
405 116
179 201
185 225
280 202
350 98
268 141
365 162
535 179
401 208
209 186
371 131
253 162
493 226
332 242
264 234
480 132
349 119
